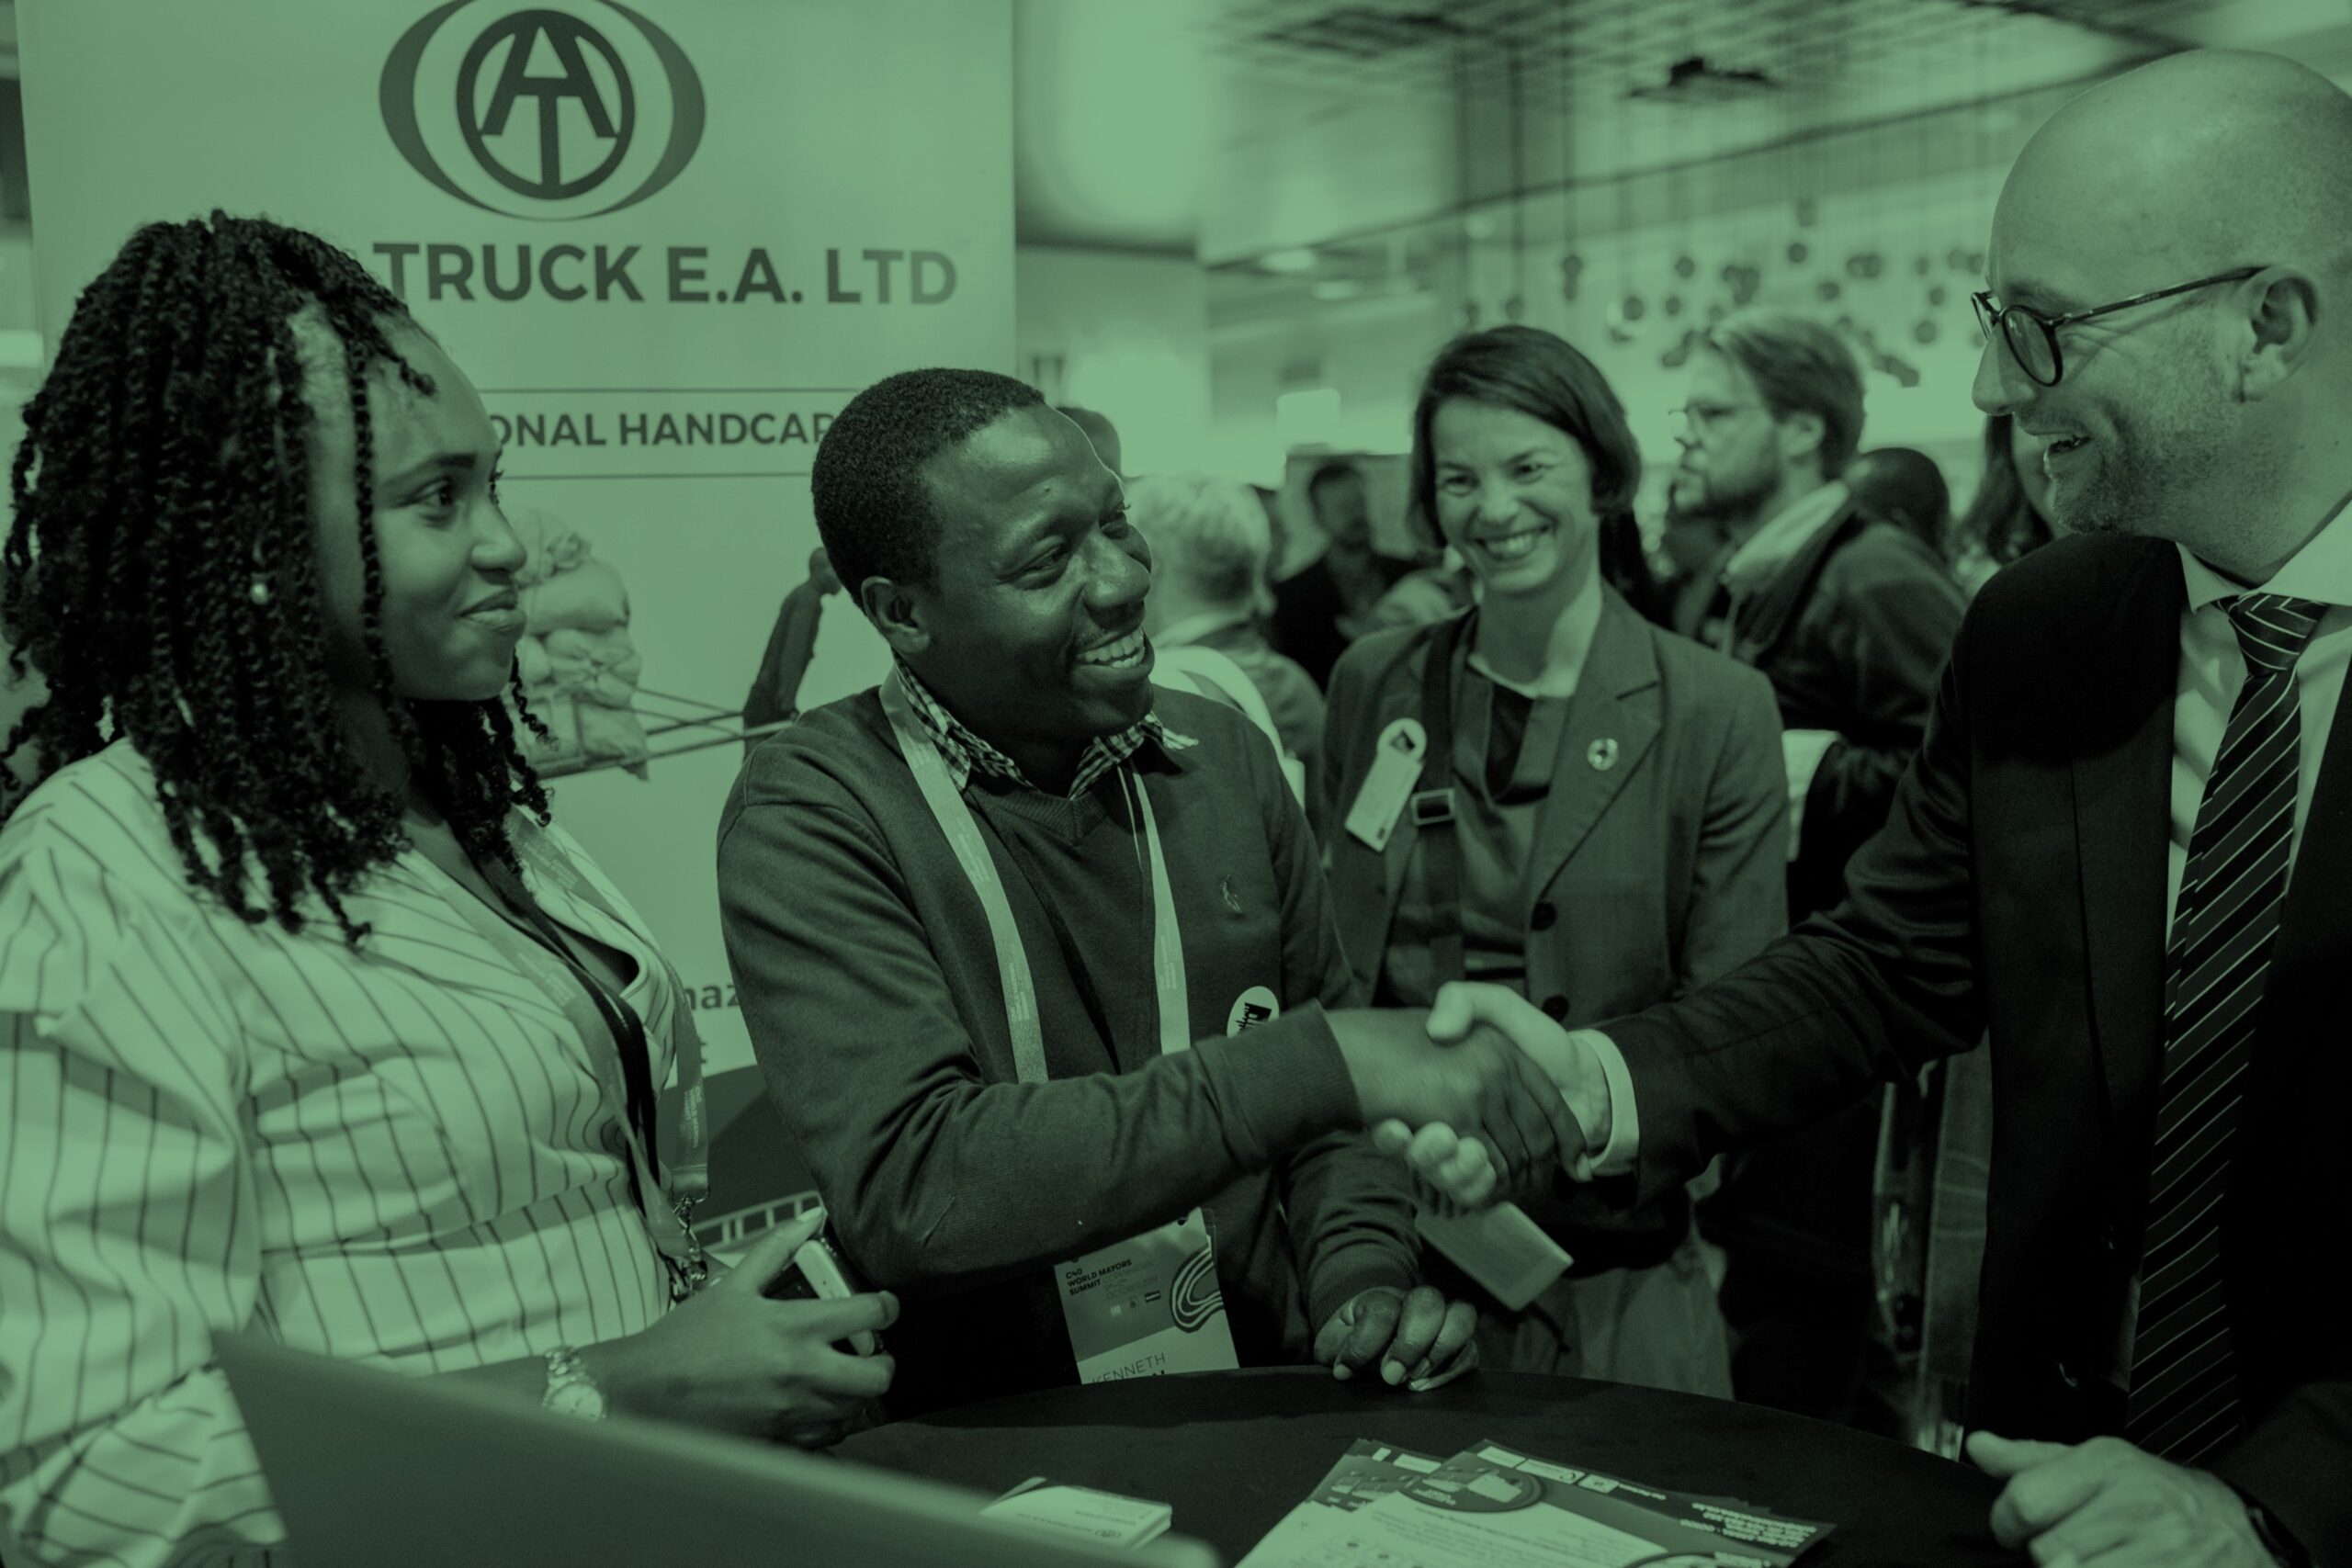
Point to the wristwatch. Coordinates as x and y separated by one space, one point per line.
570 1391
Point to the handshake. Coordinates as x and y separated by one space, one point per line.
1483 1096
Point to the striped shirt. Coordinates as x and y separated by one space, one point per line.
397 1156
966 753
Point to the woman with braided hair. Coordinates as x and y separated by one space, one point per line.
312 1026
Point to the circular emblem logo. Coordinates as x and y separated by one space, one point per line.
1253 1007
1192 1295
551 112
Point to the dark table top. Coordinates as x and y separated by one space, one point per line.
1233 1452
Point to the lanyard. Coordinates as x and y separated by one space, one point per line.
600 1017
1432 806
568 983
1167 940
688 1174
954 817
1150 1303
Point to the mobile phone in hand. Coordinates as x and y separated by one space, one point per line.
817 1273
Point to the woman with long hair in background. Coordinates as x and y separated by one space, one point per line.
2009 514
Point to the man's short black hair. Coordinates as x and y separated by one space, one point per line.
874 510
1905 487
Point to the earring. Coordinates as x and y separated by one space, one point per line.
259 591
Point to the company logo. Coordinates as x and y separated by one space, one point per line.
1194 1295
540 113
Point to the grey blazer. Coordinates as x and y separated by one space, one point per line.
1651 876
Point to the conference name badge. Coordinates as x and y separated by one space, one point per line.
1147 1306
1396 774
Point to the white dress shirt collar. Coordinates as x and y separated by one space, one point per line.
2320 570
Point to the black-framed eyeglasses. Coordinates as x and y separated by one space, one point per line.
1693 420
2032 337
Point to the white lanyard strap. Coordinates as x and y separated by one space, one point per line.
954 815
955 820
1167 942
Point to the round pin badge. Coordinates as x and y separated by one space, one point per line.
1602 755
1252 1008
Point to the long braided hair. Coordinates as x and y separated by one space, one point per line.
161 572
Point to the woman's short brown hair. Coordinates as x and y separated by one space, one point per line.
1538 373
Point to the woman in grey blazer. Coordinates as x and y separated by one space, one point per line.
1544 753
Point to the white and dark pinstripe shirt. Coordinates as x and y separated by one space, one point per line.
397 1157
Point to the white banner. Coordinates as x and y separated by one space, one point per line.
667 242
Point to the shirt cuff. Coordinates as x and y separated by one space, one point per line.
1625 1123
1801 754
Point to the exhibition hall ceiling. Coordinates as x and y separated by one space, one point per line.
1316 121
1805 45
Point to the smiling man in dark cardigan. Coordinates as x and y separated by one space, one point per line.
1017 788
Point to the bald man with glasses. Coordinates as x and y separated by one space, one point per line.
2124 848
2032 337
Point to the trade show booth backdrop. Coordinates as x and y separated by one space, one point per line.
666 248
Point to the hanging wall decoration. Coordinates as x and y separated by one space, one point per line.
1572 263
1515 303
1626 318
1622 319
1464 193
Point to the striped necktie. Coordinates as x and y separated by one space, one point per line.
2184 1398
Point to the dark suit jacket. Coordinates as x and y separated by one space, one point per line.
1648 878
2019 885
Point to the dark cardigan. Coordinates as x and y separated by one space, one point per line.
870 985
